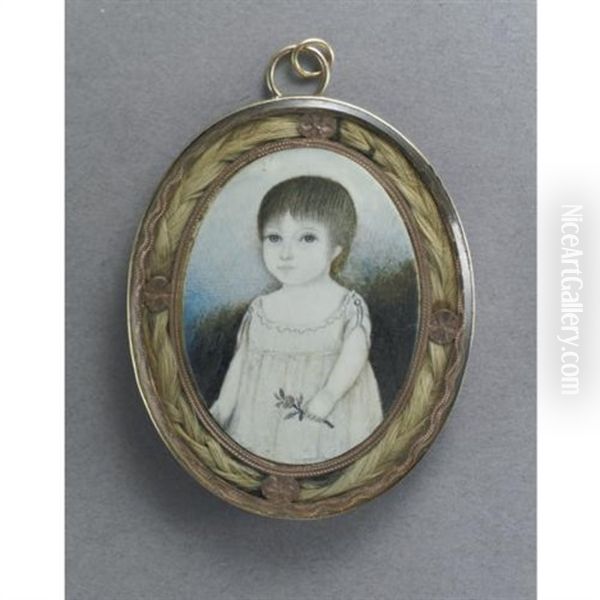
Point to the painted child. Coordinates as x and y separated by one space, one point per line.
300 388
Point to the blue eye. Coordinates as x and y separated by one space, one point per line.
273 238
309 238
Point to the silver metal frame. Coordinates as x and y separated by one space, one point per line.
282 105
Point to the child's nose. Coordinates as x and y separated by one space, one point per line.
286 251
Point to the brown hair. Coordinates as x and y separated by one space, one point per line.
317 198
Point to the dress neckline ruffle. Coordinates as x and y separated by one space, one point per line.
282 327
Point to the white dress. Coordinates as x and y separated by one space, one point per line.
271 358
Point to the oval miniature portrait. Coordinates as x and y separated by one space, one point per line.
300 308
300 305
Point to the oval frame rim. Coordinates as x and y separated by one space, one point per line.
448 214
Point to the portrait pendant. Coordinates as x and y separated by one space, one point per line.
300 302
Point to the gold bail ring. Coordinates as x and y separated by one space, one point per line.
311 44
324 73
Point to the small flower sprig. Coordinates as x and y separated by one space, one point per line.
286 401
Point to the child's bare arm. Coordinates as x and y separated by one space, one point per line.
352 358
354 353
223 407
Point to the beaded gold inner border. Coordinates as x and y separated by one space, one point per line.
155 327
179 270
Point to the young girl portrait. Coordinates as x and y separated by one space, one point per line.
300 306
300 387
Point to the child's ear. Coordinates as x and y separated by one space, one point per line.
336 252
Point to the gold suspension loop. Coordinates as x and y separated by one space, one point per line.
324 73
311 43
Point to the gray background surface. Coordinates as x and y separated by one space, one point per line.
458 78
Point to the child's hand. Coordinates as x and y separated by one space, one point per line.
321 405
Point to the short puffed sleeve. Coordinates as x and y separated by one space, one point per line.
357 316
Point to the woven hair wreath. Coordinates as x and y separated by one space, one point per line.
414 427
